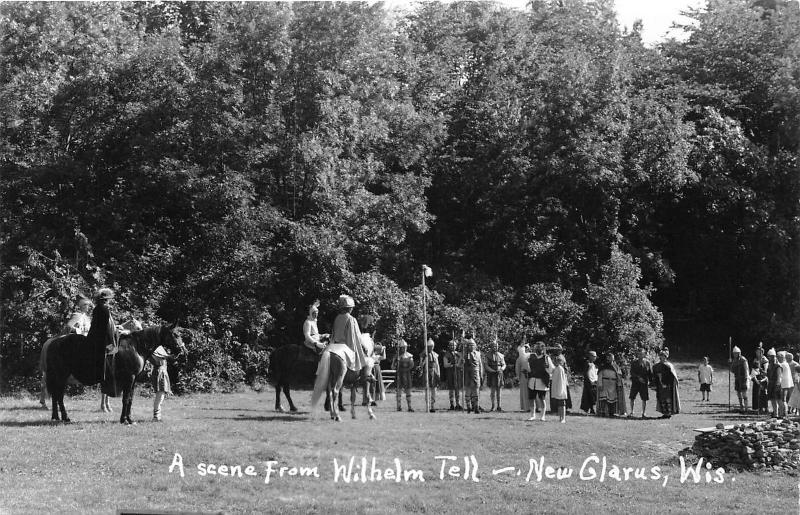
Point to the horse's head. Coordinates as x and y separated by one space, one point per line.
171 339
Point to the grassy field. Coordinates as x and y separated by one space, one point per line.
96 465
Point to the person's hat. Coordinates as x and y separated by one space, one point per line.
430 342
346 301
104 294
592 354
81 299
558 347
782 353
402 344
737 350
771 352
470 340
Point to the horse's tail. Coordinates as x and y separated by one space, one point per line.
321 383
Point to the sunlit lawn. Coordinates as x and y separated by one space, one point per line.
97 465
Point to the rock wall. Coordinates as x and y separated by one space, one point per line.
772 445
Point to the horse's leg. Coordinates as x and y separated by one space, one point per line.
54 404
368 396
60 397
288 395
353 388
131 388
278 406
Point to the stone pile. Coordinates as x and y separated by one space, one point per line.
773 445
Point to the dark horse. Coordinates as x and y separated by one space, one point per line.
333 375
78 356
291 365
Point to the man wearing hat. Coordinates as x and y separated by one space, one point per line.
403 363
473 375
774 392
434 373
589 396
346 336
452 374
741 374
495 365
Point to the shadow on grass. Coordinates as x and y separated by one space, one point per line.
272 418
48 422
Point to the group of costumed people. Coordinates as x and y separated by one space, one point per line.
773 377
93 319
544 379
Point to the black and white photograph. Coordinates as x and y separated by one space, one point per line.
511 256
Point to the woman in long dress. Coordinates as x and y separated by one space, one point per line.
522 369
610 389
666 382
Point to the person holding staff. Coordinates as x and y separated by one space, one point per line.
495 366
453 375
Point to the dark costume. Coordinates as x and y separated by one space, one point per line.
759 375
641 373
453 376
589 396
665 379
610 391
103 337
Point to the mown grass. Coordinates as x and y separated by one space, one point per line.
95 465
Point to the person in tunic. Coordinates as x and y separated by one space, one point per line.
403 363
758 377
159 378
589 396
434 372
705 376
558 350
610 389
787 383
472 363
774 391
666 382
559 388
741 377
366 323
312 340
495 366
377 389
794 398
451 362
541 366
522 369
641 373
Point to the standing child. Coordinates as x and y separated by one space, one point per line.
705 375
495 366
558 390
160 380
403 363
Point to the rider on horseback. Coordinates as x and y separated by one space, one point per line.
311 338
103 334
346 337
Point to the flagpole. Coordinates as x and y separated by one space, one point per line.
425 341
730 360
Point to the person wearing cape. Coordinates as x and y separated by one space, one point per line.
665 378
522 370
610 389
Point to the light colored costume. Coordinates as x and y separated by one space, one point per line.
403 363
794 399
495 366
346 342
159 379
559 383
79 323
522 370
311 336
473 376
377 390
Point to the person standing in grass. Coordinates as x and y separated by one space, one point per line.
794 398
758 375
787 383
403 363
610 389
558 391
774 392
589 396
159 378
522 369
452 375
495 365
666 383
705 376
473 376
741 377
541 366
641 374
433 371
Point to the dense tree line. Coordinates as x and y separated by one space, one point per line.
225 164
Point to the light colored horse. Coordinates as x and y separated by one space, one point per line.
333 374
